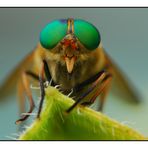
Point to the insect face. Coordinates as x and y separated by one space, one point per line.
71 40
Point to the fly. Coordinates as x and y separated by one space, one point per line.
70 53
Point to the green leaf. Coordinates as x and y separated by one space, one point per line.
81 123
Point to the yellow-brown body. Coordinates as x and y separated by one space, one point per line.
70 64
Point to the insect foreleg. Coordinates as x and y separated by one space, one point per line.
102 91
26 87
41 89
45 69
47 72
105 89
21 96
100 78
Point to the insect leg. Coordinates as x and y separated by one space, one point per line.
27 90
21 97
102 91
101 77
20 90
45 69
42 89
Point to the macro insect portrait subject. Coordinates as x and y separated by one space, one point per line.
69 54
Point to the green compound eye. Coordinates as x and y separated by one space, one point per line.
56 30
87 34
53 33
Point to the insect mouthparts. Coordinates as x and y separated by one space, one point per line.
70 61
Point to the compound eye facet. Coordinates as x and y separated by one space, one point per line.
87 34
53 33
